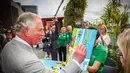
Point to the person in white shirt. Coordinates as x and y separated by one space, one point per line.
104 37
18 56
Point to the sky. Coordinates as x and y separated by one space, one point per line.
47 8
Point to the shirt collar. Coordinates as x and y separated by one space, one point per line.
21 40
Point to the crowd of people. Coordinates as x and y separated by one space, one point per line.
17 44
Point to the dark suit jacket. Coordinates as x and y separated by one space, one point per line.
54 38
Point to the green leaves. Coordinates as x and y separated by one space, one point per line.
119 21
74 11
113 15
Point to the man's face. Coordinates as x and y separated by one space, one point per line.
36 33
13 32
9 36
63 30
69 29
83 25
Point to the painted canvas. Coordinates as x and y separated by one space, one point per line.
87 38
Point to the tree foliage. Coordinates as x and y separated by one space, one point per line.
113 15
118 18
74 11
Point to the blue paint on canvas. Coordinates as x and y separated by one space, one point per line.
87 38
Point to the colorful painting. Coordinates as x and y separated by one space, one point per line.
87 38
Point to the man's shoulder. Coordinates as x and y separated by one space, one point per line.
15 49
11 45
17 55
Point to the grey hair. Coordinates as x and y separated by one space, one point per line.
123 42
69 26
25 20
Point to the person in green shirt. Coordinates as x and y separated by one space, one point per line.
62 44
98 57
69 34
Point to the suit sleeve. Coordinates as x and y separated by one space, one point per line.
35 67
38 67
71 67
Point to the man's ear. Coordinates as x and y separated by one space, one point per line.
26 31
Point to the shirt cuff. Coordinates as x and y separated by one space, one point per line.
77 63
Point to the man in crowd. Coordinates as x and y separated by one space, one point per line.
18 56
69 34
54 45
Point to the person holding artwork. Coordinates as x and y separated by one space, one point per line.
98 57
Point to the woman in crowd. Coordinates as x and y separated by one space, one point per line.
123 43
62 43
47 41
104 37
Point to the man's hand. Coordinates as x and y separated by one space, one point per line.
80 54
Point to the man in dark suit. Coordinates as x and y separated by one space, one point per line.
54 45
18 56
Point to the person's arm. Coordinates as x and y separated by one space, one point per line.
100 59
95 67
106 40
58 40
73 67
37 66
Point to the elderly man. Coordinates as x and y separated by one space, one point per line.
69 34
18 56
